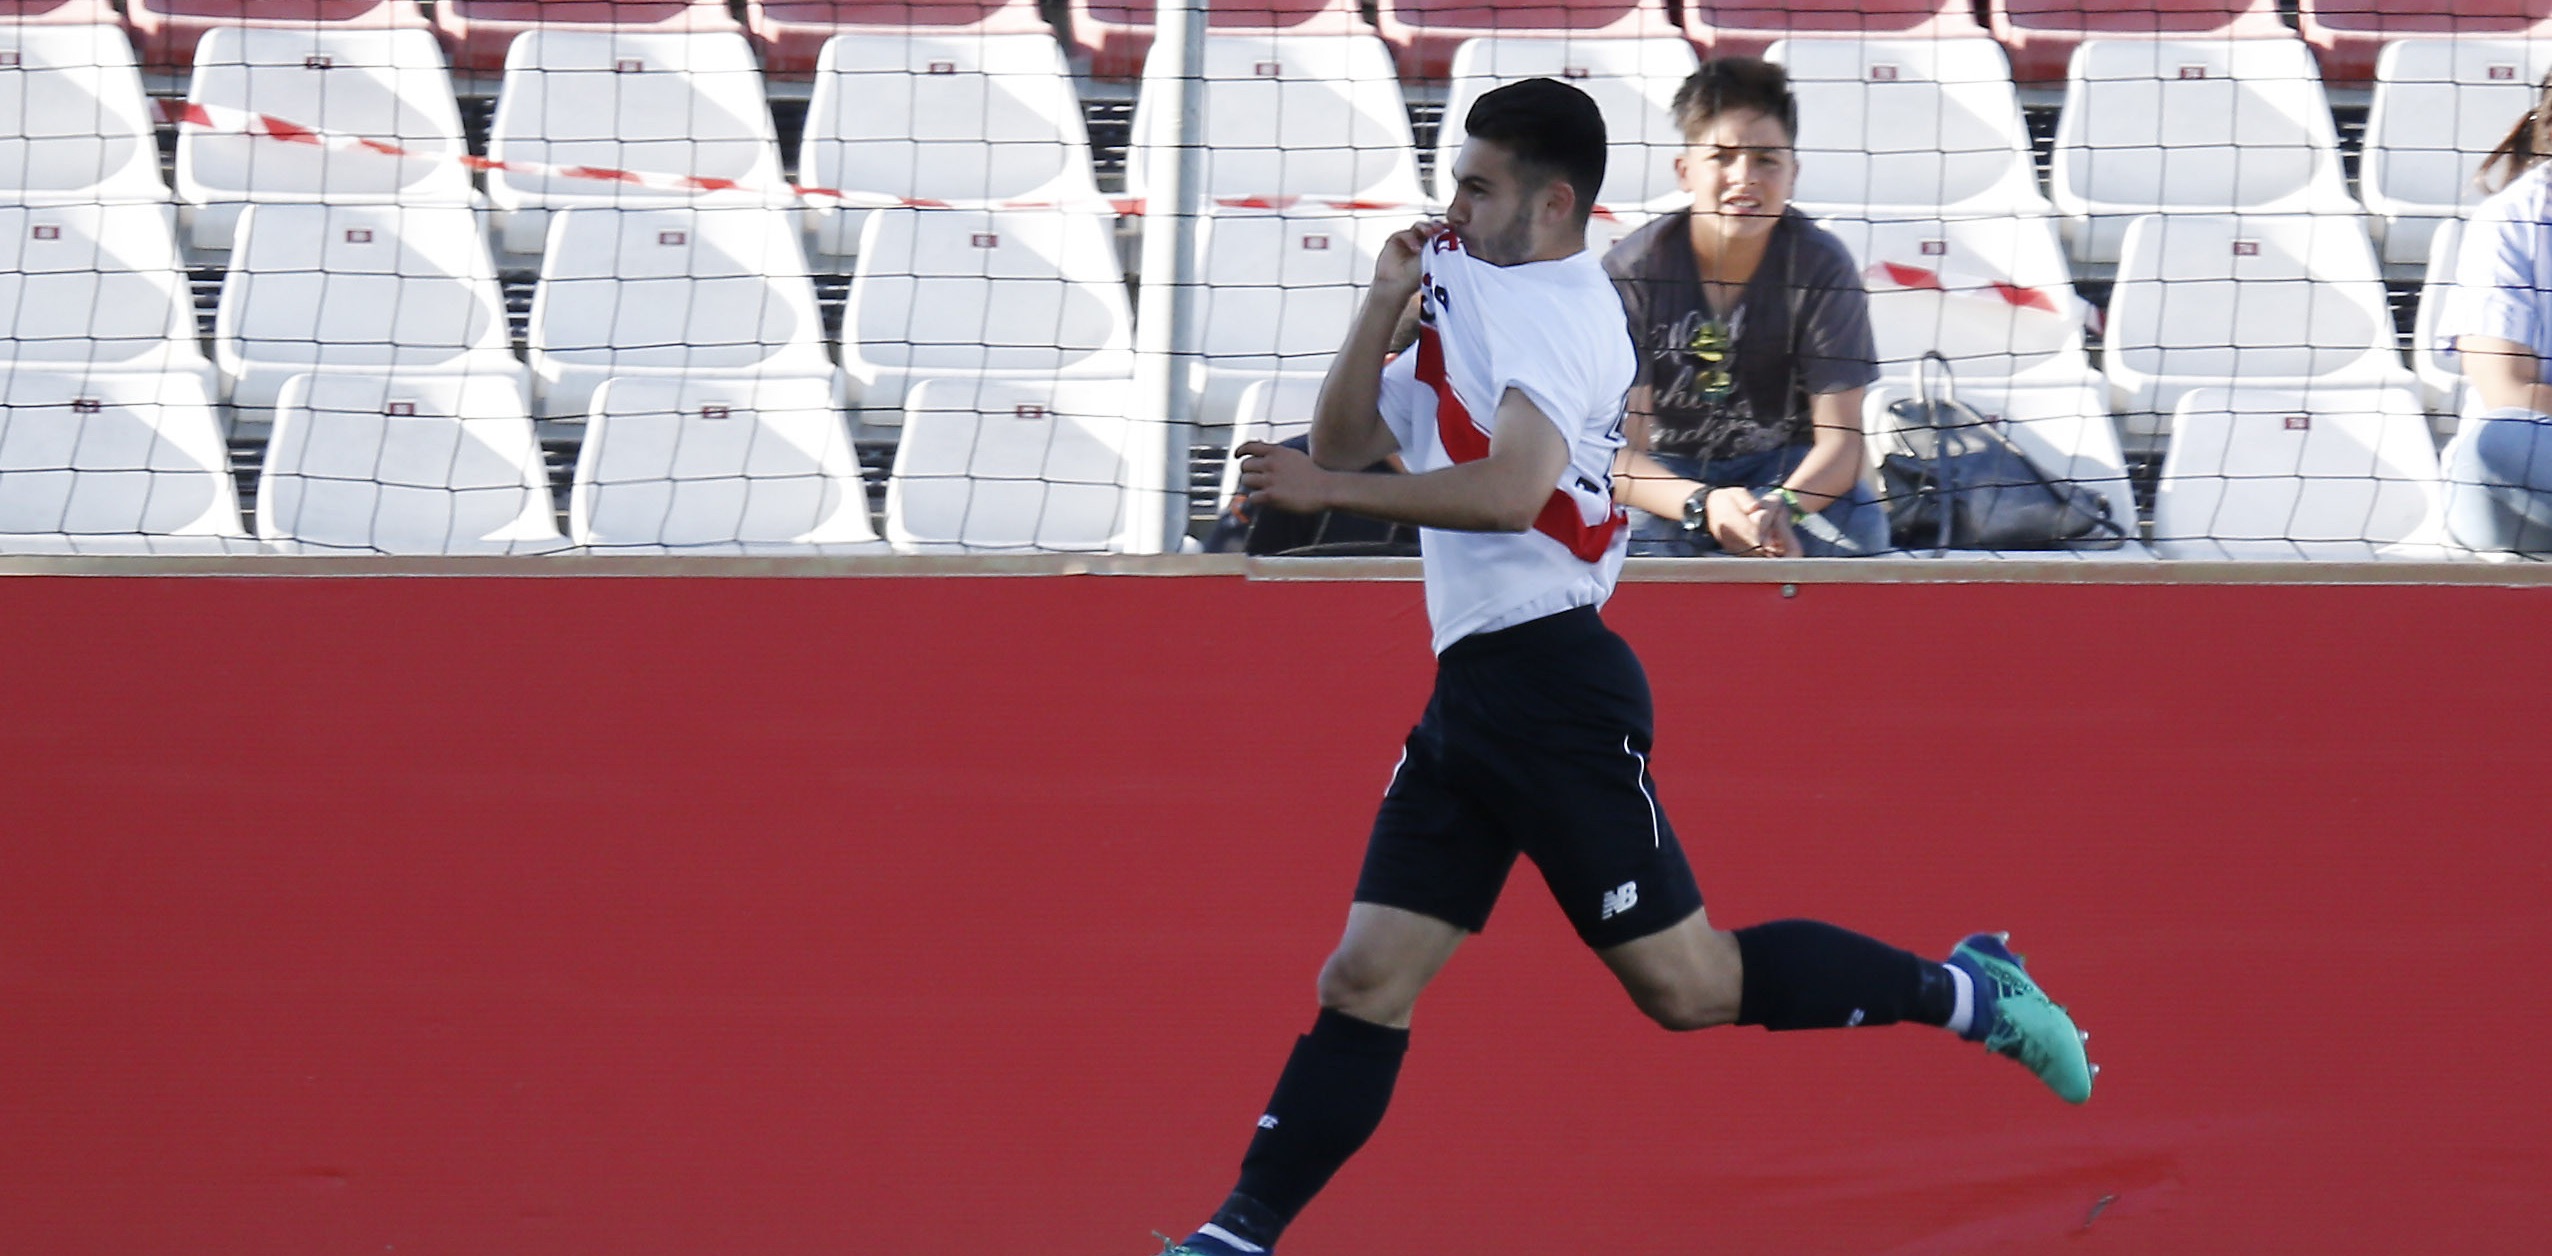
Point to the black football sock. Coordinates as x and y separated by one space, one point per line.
1328 1101
1807 974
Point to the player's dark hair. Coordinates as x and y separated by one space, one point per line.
1553 130
1732 84
2527 143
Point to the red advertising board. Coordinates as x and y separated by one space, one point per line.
976 915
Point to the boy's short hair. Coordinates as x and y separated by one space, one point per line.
1730 84
1551 128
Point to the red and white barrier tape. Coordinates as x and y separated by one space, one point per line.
230 121
1901 275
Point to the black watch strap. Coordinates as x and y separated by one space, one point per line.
1696 508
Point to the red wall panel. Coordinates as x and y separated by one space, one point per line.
898 915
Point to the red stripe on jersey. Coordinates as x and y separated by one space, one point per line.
1464 442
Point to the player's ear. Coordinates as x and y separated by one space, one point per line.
1559 202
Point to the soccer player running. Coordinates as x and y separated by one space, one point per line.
1508 412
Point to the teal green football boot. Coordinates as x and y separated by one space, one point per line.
1197 1244
2014 1017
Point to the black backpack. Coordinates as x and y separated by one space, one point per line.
1264 531
1965 484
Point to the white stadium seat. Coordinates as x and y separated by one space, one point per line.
384 86
993 466
2440 106
2330 473
2192 126
690 293
95 288
74 125
1632 80
2274 301
373 289
385 464
1032 295
626 100
1279 288
114 464
1993 295
952 118
719 466
2440 373
1288 116
1909 127
2066 431
1277 409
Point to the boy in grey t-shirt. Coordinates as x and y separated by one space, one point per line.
1728 383
1753 333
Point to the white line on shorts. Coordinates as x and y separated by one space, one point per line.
1656 839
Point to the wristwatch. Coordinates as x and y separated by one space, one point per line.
1697 509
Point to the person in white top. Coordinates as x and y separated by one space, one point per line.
1508 413
2499 326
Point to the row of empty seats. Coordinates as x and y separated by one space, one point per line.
1914 129
368 463
75 127
1115 35
2040 35
1895 129
673 292
407 464
665 293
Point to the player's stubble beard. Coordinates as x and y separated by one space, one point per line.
1511 245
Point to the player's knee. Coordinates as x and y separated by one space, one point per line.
1685 1010
1361 985
1687 996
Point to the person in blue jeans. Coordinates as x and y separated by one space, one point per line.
1753 331
2499 326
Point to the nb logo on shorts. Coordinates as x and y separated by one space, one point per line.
1618 901
1267 1122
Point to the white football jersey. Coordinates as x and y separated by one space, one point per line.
1555 332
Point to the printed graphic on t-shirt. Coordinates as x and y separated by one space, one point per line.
1739 382
1696 402
1703 349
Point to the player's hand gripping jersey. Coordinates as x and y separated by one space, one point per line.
1555 332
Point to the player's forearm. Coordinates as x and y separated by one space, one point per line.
1482 496
1347 432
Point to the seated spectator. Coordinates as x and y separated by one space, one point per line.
1753 332
2499 325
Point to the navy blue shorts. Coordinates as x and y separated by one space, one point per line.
1534 742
